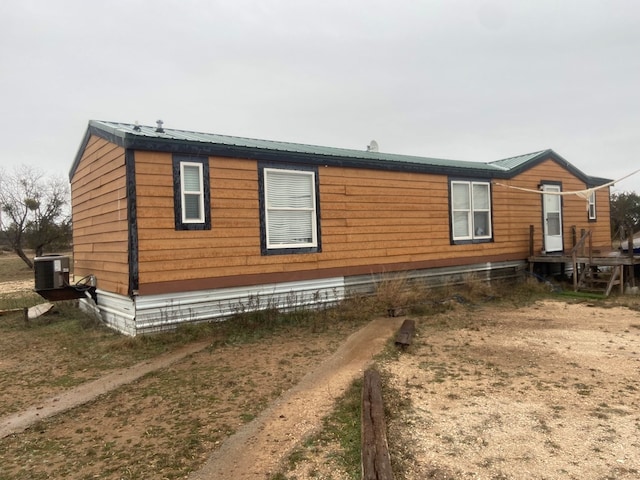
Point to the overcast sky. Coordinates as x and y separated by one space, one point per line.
459 79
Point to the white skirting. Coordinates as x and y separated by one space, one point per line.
154 313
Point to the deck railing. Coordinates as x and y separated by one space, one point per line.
579 246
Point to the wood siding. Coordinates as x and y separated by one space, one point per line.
99 209
369 220
515 210
167 254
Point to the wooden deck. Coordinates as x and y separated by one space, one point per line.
588 269
605 259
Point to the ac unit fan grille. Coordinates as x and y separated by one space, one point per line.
44 275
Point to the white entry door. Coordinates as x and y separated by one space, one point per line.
552 218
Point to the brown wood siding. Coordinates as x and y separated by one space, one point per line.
166 254
382 217
369 220
515 210
602 226
99 207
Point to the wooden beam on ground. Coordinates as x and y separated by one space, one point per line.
31 312
376 462
11 310
405 334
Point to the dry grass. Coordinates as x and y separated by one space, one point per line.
460 362
12 268
166 423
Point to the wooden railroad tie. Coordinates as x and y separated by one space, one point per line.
31 312
376 462
405 334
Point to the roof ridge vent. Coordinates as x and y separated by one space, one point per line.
159 128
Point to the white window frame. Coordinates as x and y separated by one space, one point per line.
184 192
592 205
471 228
308 176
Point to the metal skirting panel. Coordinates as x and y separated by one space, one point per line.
155 313
438 277
117 311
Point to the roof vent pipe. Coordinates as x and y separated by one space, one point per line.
159 128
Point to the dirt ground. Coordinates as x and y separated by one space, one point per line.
487 391
543 392
164 424
16 286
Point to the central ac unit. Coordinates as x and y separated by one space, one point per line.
51 272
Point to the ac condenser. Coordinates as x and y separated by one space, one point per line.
51 272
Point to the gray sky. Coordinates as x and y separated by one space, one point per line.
460 79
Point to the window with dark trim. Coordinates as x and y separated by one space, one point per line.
289 210
591 201
470 211
191 192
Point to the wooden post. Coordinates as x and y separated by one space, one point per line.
630 245
376 463
574 261
531 251
531 237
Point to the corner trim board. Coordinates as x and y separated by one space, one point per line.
132 213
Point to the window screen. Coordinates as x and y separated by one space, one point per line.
470 210
592 206
191 192
290 208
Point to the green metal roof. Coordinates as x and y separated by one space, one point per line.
173 140
515 162
252 143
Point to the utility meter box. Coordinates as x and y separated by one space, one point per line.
51 272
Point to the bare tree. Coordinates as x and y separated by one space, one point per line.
33 210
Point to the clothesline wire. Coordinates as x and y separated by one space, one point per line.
586 193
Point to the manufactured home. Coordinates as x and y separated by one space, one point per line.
179 226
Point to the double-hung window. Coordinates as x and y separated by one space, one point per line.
470 211
289 209
591 199
191 193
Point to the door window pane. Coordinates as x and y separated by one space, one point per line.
553 224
